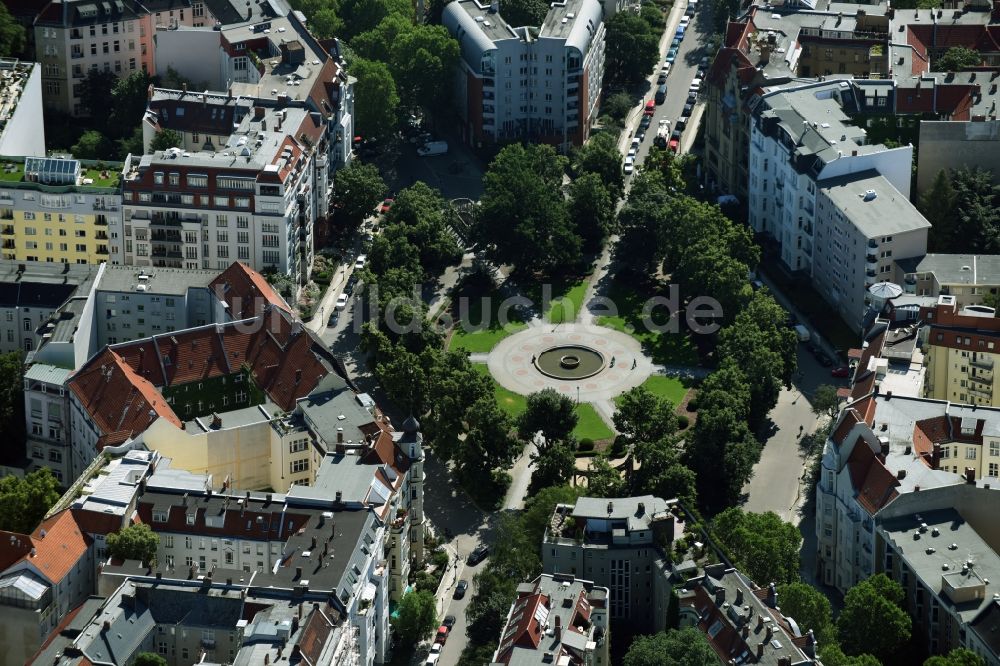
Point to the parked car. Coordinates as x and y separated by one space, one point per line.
681 123
671 55
641 134
634 146
662 78
448 621
360 262
692 98
341 302
629 165
842 371
666 68
703 63
461 588
695 86
442 634
661 94
432 148
480 553
674 146
333 319
650 108
687 110
676 43
433 658
644 121
685 20
386 205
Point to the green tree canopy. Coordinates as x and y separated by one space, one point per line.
539 507
809 608
554 464
825 400
592 209
93 145
13 37
12 404
523 218
363 15
618 105
134 542
938 206
675 647
549 412
376 98
149 659
603 480
762 545
357 189
958 58
25 501
166 138
957 657
874 602
417 616
640 415
601 156
130 97
96 98
632 48
423 217
520 13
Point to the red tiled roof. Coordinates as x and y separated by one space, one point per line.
874 485
849 419
527 632
62 547
13 547
245 291
314 637
116 397
94 522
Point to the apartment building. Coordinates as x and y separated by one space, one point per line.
556 619
537 83
967 277
44 576
57 210
961 346
619 543
21 129
772 46
742 622
48 426
30 293
954 144
941 546
863 225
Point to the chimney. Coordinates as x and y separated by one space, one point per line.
339 497
769 634
901 474
298 573
760 622
495 7
340 435
216 421
267 659
106 626
184 87
558 628
745 631
642 509
970 475
313 544
720 595
772 595
884 448
760 650
258 112
936 457
149 92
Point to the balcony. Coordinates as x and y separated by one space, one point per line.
871 272
985 363
8 230
873 244
9 245
101 235
104 205
985 381
984 393
103 250
76 55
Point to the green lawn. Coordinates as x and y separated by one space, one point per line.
18 174
663 348
472 332
670 388
590 425
566 307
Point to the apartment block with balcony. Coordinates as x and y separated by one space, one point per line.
622 544
967 277
556 619
538 83
863 226
22 131
962 347
58 210
47 414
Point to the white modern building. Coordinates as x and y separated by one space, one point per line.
22 131
537 83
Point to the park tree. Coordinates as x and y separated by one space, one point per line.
603 480
425 216
12 404
618 105
25 501
489 443
674 647
632 48
539 507
825 401
548 412
640 415
833 655
554 463
363 15
592 209
13 37
958 58
130 95
357 189
134 542
957 657
662 472
166 138
417 616
422 60
96 98
456 388
977 207
874 602
93 145
376 97
762 545
523 218
149 659
601 156
809 608
938 206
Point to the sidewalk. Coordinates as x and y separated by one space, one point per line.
814 335
326 304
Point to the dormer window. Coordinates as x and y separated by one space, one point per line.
190 519
159 516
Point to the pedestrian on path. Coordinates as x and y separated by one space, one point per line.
635 362
612 361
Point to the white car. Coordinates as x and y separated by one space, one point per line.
359 263
635 143
629 164
436 648
685 20
341 302
665 69
664 124
432 659
631 152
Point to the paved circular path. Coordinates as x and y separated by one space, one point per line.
510 361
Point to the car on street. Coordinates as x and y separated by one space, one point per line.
644 121
824 360
635 142
386 205
461 589
676 43
679 33
685 20
681 123
448 621
341 302
692 98
641 134
629 165
442 634
687 110
480 553
631 153
842 371
665 69
662 78
671 55
360 262
432 659
333 319
650 108
703 63
664 124
674 146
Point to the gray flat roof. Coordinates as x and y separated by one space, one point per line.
888 213
50 374
329 411
622 508
170 281
971 269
